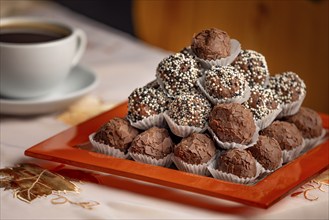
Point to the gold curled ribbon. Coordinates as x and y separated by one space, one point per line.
62 200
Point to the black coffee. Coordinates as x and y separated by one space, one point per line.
26 37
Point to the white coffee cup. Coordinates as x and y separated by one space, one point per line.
36 55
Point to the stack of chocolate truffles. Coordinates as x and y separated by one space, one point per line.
214 109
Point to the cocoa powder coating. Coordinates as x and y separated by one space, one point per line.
232 123
117 133
307 121
267 152
287 134
211 44
154 142
195 149
238 162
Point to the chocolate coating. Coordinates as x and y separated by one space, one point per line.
307 121
232 123
195 149
178 74
267 152
287 134
224 82
146 101
288 86
253 66
211 44
190 110
154 142
261 102
238 162
117 133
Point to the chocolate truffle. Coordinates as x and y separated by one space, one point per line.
224 82
267 152
178 74
232 123
144 102
238 162
307 121
116 133
261 102
288 86
189 110
154 142
195 149
287 134
253 66
211 44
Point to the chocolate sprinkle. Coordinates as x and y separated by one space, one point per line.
178 73
253 66
144 102
224 82
190 110
288 86
261 103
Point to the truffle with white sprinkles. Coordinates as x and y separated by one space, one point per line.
261 102
253 66
288 86
189 110
144 102
177 74
224 82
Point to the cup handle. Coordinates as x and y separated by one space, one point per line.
81 46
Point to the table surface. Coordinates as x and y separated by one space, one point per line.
122 63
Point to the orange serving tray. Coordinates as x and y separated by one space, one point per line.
62 148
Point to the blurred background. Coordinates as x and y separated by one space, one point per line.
292 34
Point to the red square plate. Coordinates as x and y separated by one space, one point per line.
62 148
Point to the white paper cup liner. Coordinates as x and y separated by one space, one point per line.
106 149
149 122
313 142
237 99
268 119
291 108
199 169
289 155
234 52
231 177
164 162
229 145
181 131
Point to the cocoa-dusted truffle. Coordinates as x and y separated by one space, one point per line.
144 102
189 110
195 149
232 123
211 44
116 133
267 152
178 73
154 142
224 82
288 86
253 66
238 162
261 102
286 134
307 121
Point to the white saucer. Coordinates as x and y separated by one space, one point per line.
80 82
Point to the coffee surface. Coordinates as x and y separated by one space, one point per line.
28 37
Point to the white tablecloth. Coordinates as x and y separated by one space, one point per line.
122 64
